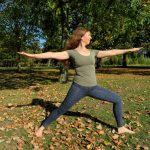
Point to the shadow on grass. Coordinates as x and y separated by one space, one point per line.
24 79
11 79
49 107
144 71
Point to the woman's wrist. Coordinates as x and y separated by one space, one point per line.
30 55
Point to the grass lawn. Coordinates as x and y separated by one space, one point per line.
27 98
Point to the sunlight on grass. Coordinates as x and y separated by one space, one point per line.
26 98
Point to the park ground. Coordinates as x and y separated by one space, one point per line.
26 98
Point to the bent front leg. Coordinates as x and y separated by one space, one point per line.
74 95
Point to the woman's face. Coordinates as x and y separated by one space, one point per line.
86 38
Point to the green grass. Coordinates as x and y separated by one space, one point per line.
25 96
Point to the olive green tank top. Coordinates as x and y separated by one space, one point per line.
84 67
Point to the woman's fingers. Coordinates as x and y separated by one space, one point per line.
136 49
22 53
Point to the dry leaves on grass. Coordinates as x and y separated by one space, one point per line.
141 147
20 142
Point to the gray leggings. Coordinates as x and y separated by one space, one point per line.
76 92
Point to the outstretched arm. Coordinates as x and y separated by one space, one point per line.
48 55
114 52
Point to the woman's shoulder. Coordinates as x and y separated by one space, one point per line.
71 52
94 51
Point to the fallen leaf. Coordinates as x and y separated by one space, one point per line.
99 127
89 146
101 132
89 126
48 131
60 120
107 143
80 129
90 138
10 104
54 139
139 147
88 120
20 142
115 136
118 142
2 119
113 131
51 148
2 140
98 148
101 140
2 128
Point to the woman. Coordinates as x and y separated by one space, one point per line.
84 83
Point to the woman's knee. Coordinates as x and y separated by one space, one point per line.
118 99
61 110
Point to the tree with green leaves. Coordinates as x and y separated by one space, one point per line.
19 28
114 24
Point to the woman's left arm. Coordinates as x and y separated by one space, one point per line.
114 52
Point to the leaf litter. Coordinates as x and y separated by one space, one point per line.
70 132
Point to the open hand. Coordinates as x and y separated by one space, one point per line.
23 53
136 49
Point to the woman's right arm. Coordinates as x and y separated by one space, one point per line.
48 55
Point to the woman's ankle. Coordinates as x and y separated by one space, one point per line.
42 128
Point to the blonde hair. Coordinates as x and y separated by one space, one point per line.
75 38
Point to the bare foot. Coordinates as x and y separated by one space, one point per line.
124 130
39 132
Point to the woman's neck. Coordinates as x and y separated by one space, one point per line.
82 47
83 50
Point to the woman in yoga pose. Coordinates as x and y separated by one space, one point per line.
84 83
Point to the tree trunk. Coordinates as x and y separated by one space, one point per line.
124 62
63 73
98 63
18 61
64 66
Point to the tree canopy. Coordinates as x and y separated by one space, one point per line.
113 23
